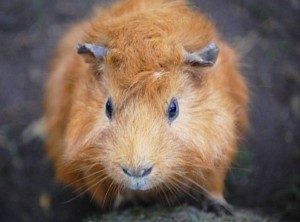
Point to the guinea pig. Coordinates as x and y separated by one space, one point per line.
150 107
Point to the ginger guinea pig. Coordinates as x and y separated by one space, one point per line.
149 107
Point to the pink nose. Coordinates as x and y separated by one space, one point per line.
137 173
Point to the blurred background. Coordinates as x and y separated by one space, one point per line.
266 175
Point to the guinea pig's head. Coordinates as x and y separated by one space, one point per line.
150 127
149 112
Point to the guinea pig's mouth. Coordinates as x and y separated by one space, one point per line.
137 178
138 184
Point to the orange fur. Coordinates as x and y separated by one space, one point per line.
142 72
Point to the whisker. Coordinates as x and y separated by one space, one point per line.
97 187
105 196
195 184
85 177
76 197
174 192
182 188
86 190
166 196
114 193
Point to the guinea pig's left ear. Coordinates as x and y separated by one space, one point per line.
203 57
91 52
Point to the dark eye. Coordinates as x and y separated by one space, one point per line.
109 109
173 110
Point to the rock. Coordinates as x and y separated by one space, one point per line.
183 213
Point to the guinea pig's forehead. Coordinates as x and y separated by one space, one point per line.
153 92
136 55
141 106
140 81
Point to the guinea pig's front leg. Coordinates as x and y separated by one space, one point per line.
213 187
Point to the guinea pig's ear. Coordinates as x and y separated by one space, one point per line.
203 57
91 52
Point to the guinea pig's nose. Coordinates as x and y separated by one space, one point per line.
137 173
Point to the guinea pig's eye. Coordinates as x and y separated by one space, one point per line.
173 110
109 109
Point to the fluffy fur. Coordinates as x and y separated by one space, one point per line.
143 70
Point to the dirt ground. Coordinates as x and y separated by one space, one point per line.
266 176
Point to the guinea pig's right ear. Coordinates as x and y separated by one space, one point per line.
92 52
203 57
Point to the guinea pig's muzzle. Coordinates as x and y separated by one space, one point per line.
138 179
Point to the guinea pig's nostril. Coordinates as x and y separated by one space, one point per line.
127 172
146 172
137 173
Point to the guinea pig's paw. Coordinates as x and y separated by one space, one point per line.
218 208
127 200
123 201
